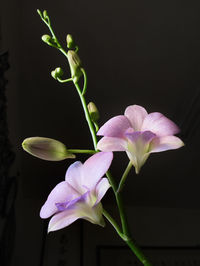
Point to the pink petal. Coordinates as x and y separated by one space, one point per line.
63 219
74 176
101 189
112 144
95 167
160 125
165 143
114 127
61 193
136 115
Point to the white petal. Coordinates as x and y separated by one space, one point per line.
138 148
63 219
80 210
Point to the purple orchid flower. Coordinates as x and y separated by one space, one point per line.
80 194
139 134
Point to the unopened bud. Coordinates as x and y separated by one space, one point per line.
46 149
45 15
57 73
70 41
93 111
75 65
48 39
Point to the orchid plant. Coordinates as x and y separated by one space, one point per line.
136 132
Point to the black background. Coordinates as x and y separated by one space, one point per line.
135 52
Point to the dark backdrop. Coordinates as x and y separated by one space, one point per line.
135 52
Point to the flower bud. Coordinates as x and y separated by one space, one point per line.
75 65
45 15
48 39
57 73
46 149
93 111
70 41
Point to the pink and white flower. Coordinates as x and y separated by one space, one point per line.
80 194
139 134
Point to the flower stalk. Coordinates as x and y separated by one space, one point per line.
124 176
76 71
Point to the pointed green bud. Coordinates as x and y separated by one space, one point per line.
45 15
57 73
46 38
93 111
75 65
70 41
46 149
49 40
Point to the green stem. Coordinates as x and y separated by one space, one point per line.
48 24
138 252
85 81
119 204
81 151
64 80
133 246
125 234
96 126
87 116
52 32
113 223
124 176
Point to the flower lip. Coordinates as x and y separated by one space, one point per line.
69 204
147 136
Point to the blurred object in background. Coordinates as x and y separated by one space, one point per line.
7 183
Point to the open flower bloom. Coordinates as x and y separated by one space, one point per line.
80 194
139 134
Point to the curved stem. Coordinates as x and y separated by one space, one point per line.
96 126
124 176
85 81
64 80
